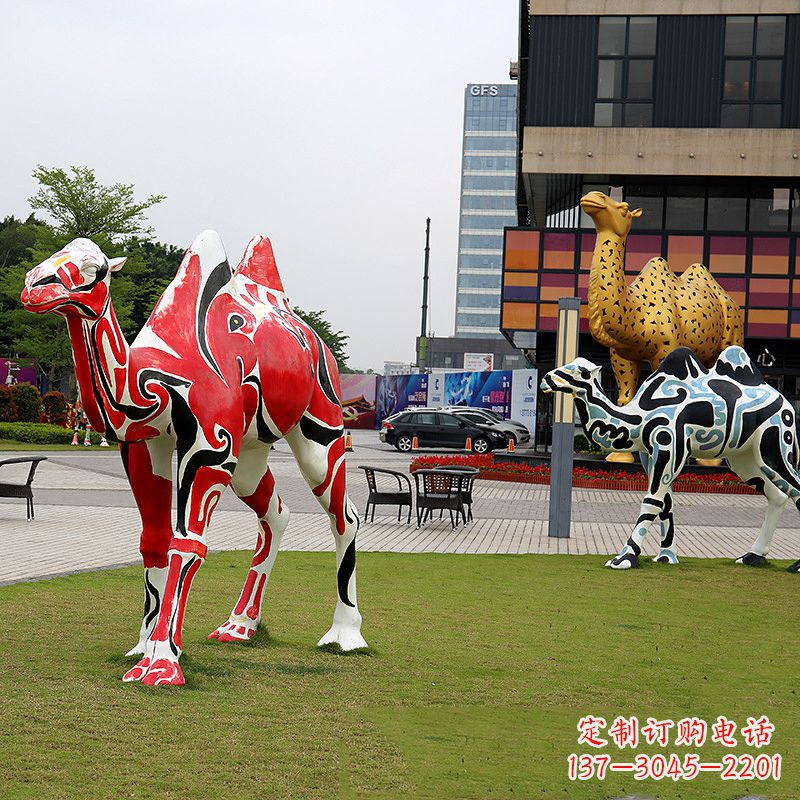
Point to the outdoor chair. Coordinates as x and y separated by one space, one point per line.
22 489
380 497
439 489
469 474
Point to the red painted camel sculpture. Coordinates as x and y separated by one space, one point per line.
220 372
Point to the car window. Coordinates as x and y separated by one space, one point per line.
423 418
448 421
473 417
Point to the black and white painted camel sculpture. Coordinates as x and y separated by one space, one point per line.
683 410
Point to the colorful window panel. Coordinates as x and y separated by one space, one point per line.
588 241
769 293
727 254
554 286
521 286
559 251
770 255
735 287
683 251
767 323
522 250
519 317
794 327
548 316
639 249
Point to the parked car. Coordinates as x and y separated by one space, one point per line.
480 416
438 429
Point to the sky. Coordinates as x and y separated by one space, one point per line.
333 128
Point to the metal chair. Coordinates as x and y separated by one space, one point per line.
377 497
439 489
469 474
22 490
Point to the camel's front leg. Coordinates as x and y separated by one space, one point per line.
202 477
254 484
664 465
148 466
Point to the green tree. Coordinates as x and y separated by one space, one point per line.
336 340
81 206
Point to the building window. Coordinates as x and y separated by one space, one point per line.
626 48
751 91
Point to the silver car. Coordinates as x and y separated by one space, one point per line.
482 416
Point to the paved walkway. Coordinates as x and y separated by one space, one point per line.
86 519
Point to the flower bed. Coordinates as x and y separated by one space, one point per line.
583 478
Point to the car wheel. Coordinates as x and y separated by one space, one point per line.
403 443
481 445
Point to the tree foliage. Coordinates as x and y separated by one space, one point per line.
81 206
336 340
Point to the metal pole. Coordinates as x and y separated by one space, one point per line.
569 310
422 349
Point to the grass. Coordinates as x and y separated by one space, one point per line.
479 669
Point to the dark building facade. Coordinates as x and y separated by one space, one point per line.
695 118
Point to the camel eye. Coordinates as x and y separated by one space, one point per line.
584 373
235 321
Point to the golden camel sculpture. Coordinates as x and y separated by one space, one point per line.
659 311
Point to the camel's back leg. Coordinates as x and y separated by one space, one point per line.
627 374
319 449
254 484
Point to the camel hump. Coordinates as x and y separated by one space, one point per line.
732 318
733 362
683 364
258 264
211 256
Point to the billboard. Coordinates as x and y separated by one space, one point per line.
478 362
359 393
524 386
399 392
490 390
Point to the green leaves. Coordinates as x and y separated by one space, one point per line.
336 340
81 206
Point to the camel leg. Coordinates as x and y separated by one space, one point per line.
203 474
664 466
627 374
319 451
666 521
148 466
254 484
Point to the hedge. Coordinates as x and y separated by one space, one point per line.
40 433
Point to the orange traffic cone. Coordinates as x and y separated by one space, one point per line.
511 446
348 442
415 443
468 445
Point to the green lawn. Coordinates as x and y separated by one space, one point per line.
480 668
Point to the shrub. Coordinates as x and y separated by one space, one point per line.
40 433
55 408
8 408
28 402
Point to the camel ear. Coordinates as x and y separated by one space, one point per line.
116 264
636 213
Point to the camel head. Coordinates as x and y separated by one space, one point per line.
73 282
608 214
575 378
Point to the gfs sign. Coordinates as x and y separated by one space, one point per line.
483 90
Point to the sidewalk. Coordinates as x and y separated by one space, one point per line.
85 519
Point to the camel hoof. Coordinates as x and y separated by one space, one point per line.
625 561
794 567
752 560
666 557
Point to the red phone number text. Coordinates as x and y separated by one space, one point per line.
745 767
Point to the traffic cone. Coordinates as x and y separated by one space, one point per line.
511 446
348 442
468 444
414 443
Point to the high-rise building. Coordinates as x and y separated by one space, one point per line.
688 111
488 189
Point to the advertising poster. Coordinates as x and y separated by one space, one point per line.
436 388
399 392
359 393
478 362
490 390
524 386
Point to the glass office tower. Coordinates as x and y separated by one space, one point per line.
488 184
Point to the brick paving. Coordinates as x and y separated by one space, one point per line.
86 519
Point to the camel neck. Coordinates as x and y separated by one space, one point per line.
101 356
606 285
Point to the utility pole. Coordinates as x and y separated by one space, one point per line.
423 339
